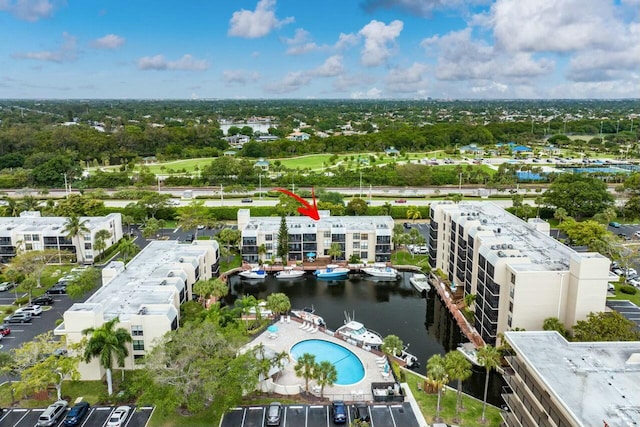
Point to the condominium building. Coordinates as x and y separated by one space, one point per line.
32 232
519 274
556 383
368 237
145 296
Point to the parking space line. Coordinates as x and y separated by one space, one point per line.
87 417
244 416
20 420
392 417
104 409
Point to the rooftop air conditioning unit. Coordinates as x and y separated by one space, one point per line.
170 274
180 259
510 246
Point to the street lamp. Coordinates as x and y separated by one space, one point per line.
460 184
260 185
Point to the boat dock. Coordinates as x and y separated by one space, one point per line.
447 298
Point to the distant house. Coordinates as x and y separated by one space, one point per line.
471 148
230 153
267 138
237 141
392 151
521 149
298 136
262 164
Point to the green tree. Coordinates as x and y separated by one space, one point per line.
127 248
106 343
560 214
100 241
74 227
153 202
278 303
287 205
459 369
83 283
488 357
437 376
392 344
335 250
605 326
306 368
583 233
229 237
53 370
193 215
212 287
326 374
33 263
357 206
282 249
150 228
386 208
580 195
413 213
554 324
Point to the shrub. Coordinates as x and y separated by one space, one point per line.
21 301
628 289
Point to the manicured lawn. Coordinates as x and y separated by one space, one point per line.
469 417
621 296
403 257
227 264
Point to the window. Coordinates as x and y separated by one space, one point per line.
364 245
513 278
364 255
356 245
356 236
268 237
136 330
327 234
510 306
138 345
27 237
364 236
87 245
28 247
138 359
268 246
35 237
509 321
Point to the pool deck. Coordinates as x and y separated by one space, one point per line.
289 333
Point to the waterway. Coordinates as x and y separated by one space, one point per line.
386 307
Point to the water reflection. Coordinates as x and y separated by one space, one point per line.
388 307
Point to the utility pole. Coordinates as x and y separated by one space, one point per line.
221 196
361 185
66 185
260 185
460 184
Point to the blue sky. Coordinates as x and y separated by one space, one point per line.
241 49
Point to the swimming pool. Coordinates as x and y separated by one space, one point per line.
349 367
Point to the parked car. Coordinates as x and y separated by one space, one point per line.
34 309
634 282
4 330
637 234
624 236
406 225
361 412
76 414
18 318
401 201
274 414
119 416
58 288
247 200
52 414
339 411
5 286
614 224
43 300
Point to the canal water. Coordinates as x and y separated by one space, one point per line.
424 324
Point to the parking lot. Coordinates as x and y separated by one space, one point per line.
97 417
396 415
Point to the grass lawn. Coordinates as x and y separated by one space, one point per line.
469 417
403 257
88 390
621 296
227 264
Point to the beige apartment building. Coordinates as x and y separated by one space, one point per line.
32 232
369 237
556 383
518 272
145 296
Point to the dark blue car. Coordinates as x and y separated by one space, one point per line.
339 412
76 414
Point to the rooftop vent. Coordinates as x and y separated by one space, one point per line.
163 283
180 259
484 221
170 274
510 246
142 311
504 246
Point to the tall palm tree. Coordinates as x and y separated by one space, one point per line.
413 213
335 250
278 303
74 227
458 368
105 343
305 368
326 374
489 357
100 241
127 247
437 375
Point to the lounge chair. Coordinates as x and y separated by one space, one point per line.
303 325
288 319
385 375
313 330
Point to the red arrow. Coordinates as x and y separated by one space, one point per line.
308 210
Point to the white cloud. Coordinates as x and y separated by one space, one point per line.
27 10
347 82
373 93
240 77
407 80
331 67
65 53
491 87
258 23
379 41
159 62
554 25
301 43
346 41
110 41
290 83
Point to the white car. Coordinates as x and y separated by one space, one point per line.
119 416
5 286
634 282
34 309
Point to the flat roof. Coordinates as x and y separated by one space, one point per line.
49 225
511 237
595 381
303 224
145 281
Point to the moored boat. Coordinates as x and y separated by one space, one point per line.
254 273
356 331
381 270
470 352
289 273
332 271
420 282
308 316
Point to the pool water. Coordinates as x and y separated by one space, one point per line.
349 367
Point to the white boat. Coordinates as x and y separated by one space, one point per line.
381 270
332 271
254 273
420 282
289 273
470 352
308 316
356 331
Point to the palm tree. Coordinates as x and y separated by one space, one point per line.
392 344
73 228
437 375
458 368
127 247
489 357
413 213
560 214
305 368
326 374
105 343
100 241
335 250
386 208
279 303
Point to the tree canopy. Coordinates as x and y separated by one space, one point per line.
579 195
